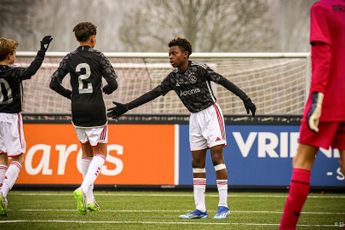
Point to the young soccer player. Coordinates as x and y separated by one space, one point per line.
323 123
86 67
191 82
12 141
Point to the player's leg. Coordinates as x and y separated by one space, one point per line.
216 140
302 165
199 178
222 181
98 138
299 186
79 195
85 163
15 146
199 185
3 169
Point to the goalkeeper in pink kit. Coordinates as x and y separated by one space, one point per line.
323 123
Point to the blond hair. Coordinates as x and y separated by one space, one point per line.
7 46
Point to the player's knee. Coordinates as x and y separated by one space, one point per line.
220 167
198 163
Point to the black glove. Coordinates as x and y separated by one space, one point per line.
107 89
249 105
45 42
117 110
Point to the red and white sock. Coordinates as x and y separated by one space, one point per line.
3 169
199 187
85 163
298 193
222 186
92 173
11 176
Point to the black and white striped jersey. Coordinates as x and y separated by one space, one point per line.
193 86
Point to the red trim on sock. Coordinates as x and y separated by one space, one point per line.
16 163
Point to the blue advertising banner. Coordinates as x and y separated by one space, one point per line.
261 155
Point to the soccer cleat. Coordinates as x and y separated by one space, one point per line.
222 212
196 214
3 205
93 206
79 197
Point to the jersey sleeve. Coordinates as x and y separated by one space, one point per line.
219 79
319 26
165 86
27 73
62 71
108 72
211 75
58 76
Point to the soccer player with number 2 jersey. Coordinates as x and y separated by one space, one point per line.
86 67
323 123
192 83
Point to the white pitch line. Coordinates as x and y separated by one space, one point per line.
177 195
171 211
153 223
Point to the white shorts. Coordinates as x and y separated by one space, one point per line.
206 128
93 135
12 141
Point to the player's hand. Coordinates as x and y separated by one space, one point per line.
314 114
45 42
107 89
117 110
249 105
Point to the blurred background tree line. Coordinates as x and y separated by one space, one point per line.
148 25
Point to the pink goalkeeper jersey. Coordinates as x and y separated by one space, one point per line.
328 26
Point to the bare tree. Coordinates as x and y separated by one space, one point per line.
221 25
292 23
16 17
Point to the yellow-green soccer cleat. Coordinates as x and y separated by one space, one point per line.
93 206
80 200
3 205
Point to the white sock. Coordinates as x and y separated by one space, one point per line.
10 177
92 173
199 186
3 169
222 186
85 162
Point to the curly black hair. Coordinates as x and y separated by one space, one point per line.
183 43
84 30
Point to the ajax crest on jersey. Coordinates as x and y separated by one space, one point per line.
192 78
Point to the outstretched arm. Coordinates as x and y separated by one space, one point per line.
119 109
27 73
215 77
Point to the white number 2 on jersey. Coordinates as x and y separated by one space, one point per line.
7 94
82 77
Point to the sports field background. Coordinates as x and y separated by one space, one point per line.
160 210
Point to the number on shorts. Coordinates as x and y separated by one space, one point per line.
83 77
5 92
